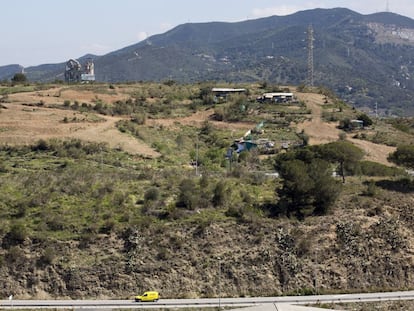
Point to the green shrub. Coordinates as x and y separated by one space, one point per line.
187 196
86 239
15 256
16 235
47 258
371 189
139 119
152 194
3 167
108 226
41 145
367 121
55 222
404 155
220 194
369 168
235 212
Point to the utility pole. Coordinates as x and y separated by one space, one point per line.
219 283
310 56
196 170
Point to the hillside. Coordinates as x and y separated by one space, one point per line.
27 125
365 59
99 198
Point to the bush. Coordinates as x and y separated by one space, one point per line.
17 235
152 194
47 257
221 193
367 121
139 119
188 194
41 145
87 238
3 167
369 168
15 256
371 189
404 155
235 212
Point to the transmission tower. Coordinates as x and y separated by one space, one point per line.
310 56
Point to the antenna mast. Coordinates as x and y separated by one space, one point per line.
387 8
310 56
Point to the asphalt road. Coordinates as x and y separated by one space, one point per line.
204 302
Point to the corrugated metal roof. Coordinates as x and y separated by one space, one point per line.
219 89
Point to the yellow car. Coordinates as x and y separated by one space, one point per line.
148 296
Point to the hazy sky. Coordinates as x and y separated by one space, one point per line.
37 32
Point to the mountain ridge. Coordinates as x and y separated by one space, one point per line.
366 59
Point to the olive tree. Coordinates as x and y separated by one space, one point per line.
342 152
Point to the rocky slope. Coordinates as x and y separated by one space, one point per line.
365 244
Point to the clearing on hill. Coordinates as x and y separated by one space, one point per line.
321 132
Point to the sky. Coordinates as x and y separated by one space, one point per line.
35 32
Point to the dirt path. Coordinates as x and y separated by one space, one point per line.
21 124
108 133
321 132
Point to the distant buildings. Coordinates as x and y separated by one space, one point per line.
75 72
277 97
222 93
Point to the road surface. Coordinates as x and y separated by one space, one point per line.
205 302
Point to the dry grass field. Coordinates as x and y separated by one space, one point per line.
23 121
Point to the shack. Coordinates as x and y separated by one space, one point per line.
222 93
277 97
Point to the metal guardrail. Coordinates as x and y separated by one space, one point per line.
206 302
